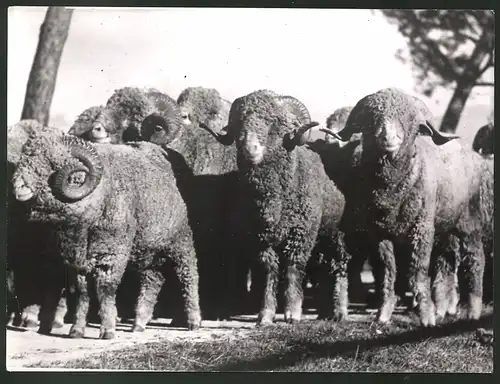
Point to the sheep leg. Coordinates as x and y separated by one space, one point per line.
444 286
294 294
29 316
419 279
151 283
53 306
341 278
474 262
387 279
108 275
185 265
269 262
77 330
61 311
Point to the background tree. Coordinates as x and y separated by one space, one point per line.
448 48
43 75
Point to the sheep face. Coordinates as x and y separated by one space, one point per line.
130 107
260 126
389 121
54 171
200 105
84 122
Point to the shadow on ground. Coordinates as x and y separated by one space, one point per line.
341 348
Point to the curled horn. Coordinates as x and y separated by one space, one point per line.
298 108
224 139
439 138
168 108
91 166
297 137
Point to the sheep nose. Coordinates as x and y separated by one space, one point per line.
98 128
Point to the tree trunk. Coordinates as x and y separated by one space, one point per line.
452 115
42 79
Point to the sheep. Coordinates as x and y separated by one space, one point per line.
120 119
214 188
411 190
294 205
32 262
203 105
484 140
111 205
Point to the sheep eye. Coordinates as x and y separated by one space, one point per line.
158 128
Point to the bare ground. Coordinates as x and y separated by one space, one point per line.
25 347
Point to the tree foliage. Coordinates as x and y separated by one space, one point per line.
447 48
43 75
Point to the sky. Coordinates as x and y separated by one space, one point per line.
327 58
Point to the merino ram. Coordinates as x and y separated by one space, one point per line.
213 191
111 205
417 185
294 205
33 262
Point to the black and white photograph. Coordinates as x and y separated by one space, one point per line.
250 189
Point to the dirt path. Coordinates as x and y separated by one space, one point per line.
27 347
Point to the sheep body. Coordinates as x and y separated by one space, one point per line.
213 188
417 191
128 209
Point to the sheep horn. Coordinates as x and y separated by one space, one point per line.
330 132
168 106
298 108
439 138
92 167
224 139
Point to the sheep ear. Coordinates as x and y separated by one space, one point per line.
439 138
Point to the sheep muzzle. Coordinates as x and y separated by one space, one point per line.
21 190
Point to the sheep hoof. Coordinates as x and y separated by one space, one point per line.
76 333
107 335
263 324
427 319
339 317
57 324
194 326
292 321
138 328
30 323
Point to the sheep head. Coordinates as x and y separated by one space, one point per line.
130 106
389 121
56 168
264 122
164 125
201 105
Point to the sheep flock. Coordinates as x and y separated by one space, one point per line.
198 208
